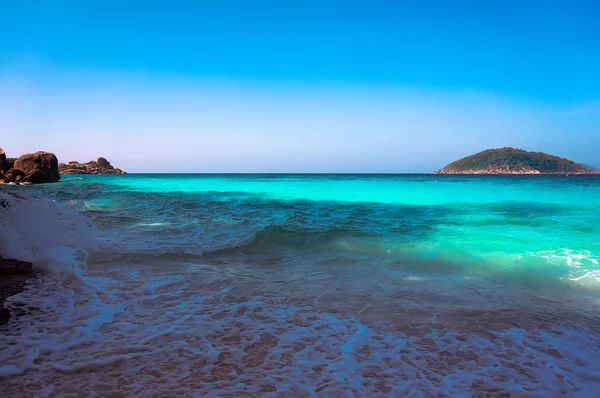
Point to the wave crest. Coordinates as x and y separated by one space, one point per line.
52 236
276 236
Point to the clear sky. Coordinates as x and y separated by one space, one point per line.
298 86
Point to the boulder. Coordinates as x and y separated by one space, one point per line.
5 164
39 167
36 177
104 164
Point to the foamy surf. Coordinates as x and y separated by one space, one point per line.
194 334
51 235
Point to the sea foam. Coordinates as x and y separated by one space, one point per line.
51 235
193 334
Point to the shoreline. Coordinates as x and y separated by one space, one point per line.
492 173
14 273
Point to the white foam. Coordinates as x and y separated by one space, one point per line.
195 333
582 264
52 236
153 224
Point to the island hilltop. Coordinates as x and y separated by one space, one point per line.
514 161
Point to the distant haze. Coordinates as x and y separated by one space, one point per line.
298 86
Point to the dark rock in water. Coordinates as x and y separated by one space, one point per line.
39 167
13 276
10 285
36 177
12 266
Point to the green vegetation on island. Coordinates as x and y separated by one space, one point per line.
514 161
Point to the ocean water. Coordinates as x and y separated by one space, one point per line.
305 285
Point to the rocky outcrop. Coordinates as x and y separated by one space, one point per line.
100 166
15 175
35 168
42 167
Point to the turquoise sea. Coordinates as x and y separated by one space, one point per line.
306 285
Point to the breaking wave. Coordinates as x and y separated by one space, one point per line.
51 235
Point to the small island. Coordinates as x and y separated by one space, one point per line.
514 161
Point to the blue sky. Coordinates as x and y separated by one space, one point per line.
339 86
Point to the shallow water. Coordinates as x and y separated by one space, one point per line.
279 285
